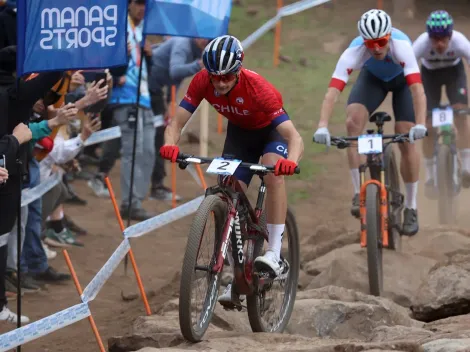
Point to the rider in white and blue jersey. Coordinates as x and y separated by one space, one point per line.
384 55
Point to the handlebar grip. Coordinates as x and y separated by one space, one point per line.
297 170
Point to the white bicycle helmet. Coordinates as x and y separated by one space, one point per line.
223 55
374 24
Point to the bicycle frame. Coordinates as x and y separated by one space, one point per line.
236 199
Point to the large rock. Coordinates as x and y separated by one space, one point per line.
398 333
446 290
447 345
347 267
335 312
437 245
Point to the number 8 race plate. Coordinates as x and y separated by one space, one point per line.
222 166
370 144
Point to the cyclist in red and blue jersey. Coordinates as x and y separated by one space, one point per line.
258 127
384 55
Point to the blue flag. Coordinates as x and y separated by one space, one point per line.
71 34
188 18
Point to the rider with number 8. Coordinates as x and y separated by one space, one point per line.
385 58
441 49
258 126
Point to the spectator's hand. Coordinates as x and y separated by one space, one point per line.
76 81
201 64
22 133
3 175
65 114
90 126
94 94
122 81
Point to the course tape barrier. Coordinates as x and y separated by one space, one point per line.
103 136
287 10
29 195
144 227
81 311
43 326
95 285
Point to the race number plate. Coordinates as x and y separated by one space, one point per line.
442 117
370 144
222 166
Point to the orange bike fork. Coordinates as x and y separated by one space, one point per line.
383 212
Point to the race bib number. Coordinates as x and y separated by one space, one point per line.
442 117
370 144
223 167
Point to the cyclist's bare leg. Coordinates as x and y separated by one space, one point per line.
357 117
409 169
462 126
276 210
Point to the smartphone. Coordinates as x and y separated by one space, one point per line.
91 75
101 76
3 161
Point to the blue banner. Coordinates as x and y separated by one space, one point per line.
188 18
70 34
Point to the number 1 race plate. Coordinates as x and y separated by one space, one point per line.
370 144
222 166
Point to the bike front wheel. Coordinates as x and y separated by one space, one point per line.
395 202
270 307
203 240
374 240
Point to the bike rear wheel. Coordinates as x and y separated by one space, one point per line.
447 200
194 273
374 240
392 180
259 303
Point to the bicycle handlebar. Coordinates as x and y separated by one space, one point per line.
183 159
344 142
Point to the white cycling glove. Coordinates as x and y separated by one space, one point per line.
322 136
417 132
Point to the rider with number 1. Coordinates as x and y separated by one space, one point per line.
441 49
258 127
385 58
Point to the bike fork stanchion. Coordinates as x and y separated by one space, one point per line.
383 212
131 254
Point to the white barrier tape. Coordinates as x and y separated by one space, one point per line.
103 136
95 285
194 174
253 37
43 326
299 6
31 194
4 239
161 220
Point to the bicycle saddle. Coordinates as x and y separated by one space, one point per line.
380 117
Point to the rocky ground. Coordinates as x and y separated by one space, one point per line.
425 305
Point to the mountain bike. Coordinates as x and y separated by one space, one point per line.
381 200
240 230
447 167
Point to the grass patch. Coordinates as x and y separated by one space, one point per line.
295 196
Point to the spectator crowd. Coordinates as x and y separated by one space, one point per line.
45 120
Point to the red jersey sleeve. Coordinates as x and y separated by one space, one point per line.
196 91
270 102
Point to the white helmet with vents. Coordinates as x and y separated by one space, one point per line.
374 24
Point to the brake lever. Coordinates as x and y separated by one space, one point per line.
183 164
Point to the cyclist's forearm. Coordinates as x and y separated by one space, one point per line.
172 134
419 103
295 146
328 105
173 130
